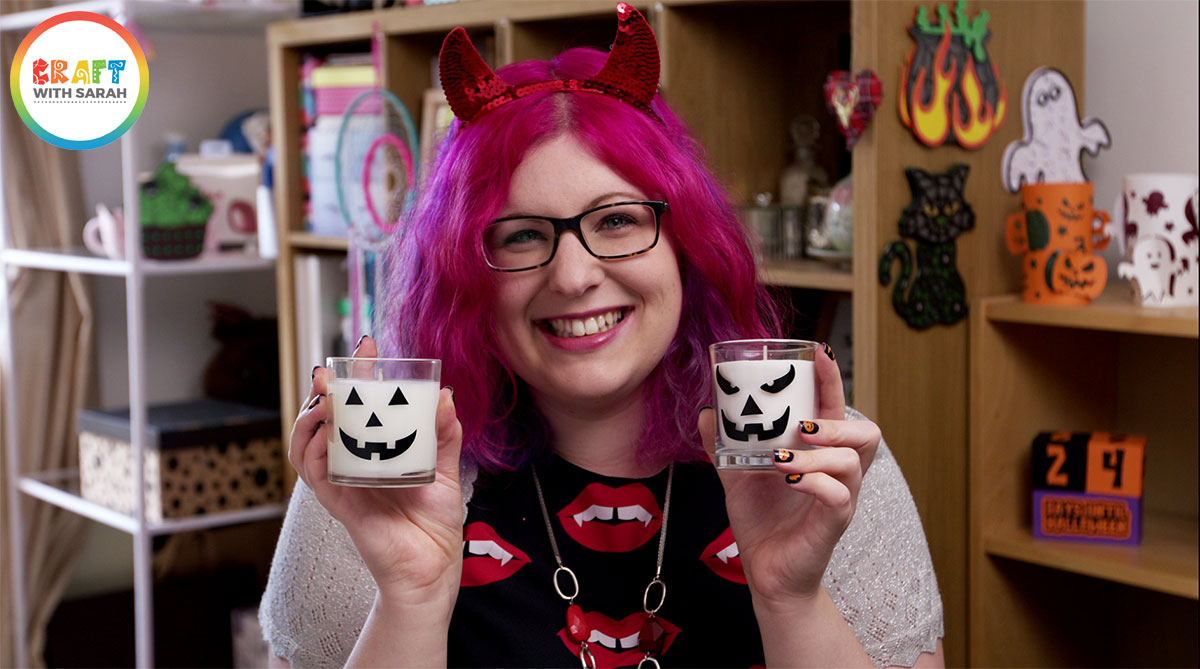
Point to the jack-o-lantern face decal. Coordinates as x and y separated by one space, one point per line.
367 422
750 394
1076 273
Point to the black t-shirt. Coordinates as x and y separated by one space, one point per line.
509 615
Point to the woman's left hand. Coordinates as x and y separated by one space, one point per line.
787 522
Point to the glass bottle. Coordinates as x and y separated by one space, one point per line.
797 183
802 173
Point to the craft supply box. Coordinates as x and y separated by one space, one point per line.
203 456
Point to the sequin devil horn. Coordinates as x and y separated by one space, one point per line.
630 74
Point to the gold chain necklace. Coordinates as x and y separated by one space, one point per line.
653 636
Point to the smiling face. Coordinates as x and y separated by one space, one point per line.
373 419
581 329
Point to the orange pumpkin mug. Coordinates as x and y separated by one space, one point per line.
1058 232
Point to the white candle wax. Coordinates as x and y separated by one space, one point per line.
761 403
382 429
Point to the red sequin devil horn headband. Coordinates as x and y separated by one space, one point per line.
630 74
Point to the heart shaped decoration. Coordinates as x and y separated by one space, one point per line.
853 99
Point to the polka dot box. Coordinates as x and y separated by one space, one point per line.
205 456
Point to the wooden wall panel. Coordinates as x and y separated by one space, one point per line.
918 379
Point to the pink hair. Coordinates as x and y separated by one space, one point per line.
440 288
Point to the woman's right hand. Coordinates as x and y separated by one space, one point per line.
409 538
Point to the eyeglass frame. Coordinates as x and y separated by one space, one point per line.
574 224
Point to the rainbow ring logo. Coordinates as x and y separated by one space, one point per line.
79 80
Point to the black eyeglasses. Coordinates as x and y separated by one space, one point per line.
608 232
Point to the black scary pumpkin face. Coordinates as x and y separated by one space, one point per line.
368 415
1076 273
757 399
1072 211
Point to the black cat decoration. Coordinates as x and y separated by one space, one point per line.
934 293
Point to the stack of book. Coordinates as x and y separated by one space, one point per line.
329 87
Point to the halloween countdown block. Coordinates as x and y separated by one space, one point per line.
1088 486
950 88
763 391
933 292
384 415
201 457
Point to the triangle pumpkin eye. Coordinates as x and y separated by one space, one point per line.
353 398
398 398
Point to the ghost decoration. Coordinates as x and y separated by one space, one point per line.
1055 138
1152 269
760 403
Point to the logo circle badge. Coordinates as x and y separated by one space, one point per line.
79 80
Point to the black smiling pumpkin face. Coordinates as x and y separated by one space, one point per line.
758 401
373 418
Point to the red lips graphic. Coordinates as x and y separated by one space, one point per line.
486 557
614 643
612 520
723 558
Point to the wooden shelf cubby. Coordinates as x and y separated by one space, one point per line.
1112 366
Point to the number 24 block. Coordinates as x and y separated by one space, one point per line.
1088 486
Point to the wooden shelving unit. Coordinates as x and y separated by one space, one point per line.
737 73
1109 366
1165 562
813 274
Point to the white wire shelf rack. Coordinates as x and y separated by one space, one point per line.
61 488
80 260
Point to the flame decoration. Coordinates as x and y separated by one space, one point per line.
950 89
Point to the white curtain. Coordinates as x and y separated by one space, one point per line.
52 341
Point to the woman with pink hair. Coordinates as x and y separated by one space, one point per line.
569 260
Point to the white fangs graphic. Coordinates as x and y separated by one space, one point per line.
490 549
728 553
580 327
635 512
624 643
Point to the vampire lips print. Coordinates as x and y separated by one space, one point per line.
612 520
722 557
614 643
487 558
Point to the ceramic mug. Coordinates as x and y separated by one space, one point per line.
1157 218
104 234
1057 233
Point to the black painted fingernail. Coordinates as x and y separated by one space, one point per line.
793 479
829 352
809 427
315 402
360 341
706 406
314 371
451 392
782 455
